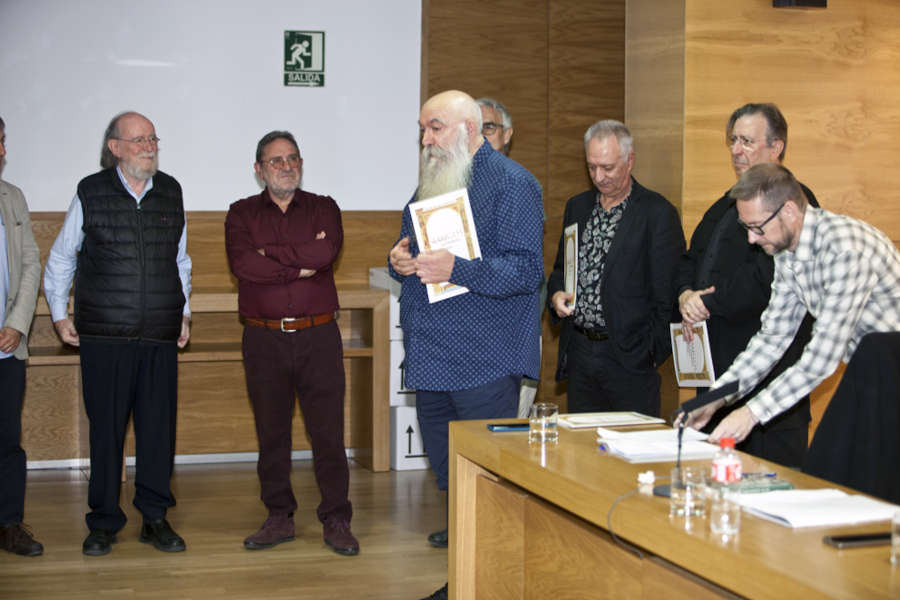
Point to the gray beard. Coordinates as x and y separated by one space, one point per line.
138 172
442 171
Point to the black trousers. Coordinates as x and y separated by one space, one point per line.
598 382
12 457
121 377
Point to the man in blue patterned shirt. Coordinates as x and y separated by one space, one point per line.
466 355
843 271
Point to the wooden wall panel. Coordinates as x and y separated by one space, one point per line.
654 93
54 424
833 72
496 49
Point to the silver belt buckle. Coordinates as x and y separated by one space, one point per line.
288 320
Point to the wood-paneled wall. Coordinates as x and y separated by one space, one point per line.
558 66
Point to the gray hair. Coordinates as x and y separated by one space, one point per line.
772 183
271 137
107 158
603 129
505 118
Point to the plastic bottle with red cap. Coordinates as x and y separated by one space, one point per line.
726 464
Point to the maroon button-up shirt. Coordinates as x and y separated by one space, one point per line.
269 286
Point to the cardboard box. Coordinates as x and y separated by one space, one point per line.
407 451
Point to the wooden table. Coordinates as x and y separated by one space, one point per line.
527 523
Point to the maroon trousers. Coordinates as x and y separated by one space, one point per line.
308 363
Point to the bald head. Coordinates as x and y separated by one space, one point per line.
444 116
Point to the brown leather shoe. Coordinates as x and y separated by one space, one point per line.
276 529
18 539
337 535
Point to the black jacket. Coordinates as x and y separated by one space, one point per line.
638 283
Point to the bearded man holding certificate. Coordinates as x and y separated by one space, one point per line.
465 355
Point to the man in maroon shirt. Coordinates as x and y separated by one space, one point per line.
281 246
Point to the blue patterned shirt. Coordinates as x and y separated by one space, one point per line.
488 333
847 274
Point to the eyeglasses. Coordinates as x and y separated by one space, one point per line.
489 127
758 229
293 161
745 142
140 141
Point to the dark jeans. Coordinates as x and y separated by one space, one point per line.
121 377
12 457
598 382
310 364
497 399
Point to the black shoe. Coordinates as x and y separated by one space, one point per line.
440 594
98 542
438 539
160 534
18 539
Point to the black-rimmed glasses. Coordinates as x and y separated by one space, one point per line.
758 229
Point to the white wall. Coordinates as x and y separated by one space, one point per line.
208 73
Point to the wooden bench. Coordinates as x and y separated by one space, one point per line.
214 415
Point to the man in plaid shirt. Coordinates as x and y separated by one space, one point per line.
843 271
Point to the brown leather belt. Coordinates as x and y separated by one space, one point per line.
289 324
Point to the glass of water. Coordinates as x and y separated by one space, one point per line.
688 492
542 423
724 511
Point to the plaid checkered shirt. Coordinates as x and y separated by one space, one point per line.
847 274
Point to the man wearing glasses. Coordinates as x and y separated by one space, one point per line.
843 271
496 124
281 245
726 281
124 242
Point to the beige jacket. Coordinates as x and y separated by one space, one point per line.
24 261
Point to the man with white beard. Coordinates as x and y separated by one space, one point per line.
466 355
124 242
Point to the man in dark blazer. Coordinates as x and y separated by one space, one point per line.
726 281
629 243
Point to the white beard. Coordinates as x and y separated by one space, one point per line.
138 172
442 171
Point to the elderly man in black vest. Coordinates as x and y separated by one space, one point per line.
124 242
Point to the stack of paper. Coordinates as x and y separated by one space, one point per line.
660 445
816 508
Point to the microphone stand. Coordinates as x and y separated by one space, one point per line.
684 411
665 490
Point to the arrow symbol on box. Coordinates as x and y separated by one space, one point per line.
409 432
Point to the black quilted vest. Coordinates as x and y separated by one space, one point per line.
127 283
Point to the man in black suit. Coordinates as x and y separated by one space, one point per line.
726 281
629 243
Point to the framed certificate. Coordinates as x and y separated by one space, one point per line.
693 361
570 239
445 222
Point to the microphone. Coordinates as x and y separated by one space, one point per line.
706 398
665 490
